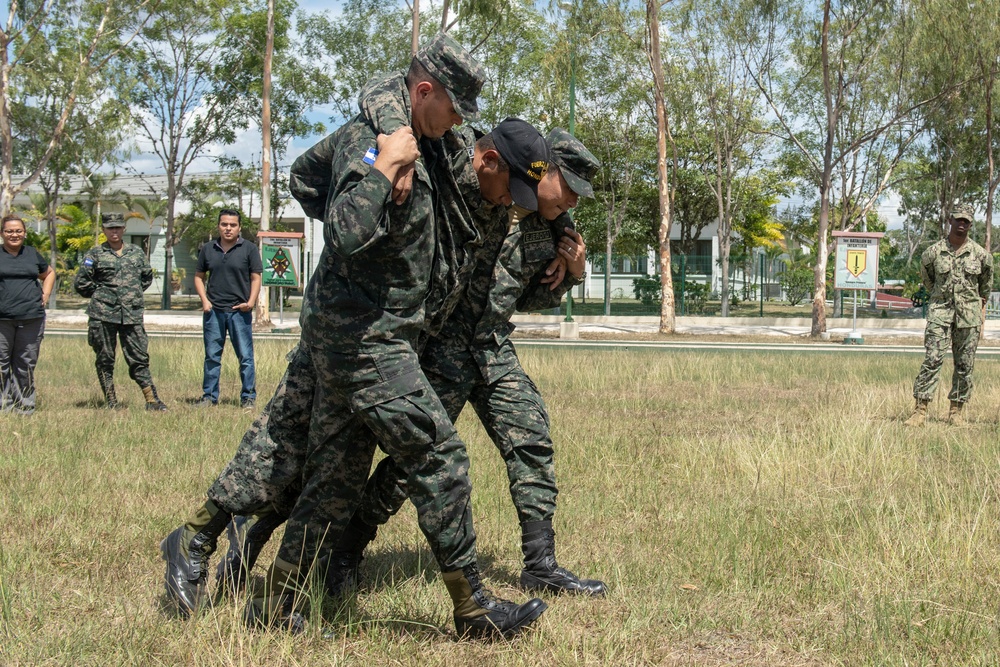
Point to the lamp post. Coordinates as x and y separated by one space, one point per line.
572 118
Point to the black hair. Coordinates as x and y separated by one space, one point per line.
233 212
486 143
12 217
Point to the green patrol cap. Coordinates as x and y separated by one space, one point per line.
577 164
455 68
112 220
963 211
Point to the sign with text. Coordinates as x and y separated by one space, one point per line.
279 252
856 265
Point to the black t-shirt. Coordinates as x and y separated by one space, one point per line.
20 291
229 272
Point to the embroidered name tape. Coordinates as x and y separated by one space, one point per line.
537 237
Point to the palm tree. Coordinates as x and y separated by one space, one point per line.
99 192
147 209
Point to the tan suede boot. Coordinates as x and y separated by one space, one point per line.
955 417
919 415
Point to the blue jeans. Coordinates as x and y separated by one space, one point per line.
239 326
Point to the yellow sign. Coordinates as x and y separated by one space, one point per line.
857 260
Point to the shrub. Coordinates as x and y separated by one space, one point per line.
797 284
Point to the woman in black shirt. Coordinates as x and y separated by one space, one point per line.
22 315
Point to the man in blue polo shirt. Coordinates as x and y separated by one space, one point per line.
234 272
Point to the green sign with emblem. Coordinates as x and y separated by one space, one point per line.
280 257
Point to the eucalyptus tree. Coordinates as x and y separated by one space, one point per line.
959 44
664 140
835 76
301 83
727 102
182 106
59 52
613 120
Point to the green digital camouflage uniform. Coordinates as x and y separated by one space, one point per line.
115 285
362 319
957 282
472 360
265 471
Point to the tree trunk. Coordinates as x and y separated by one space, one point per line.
724 246
50 214
607 274
415 34
819 274
168 241
667 315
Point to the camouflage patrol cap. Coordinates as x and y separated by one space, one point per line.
112 220
577 164
524 150
963 211
455 68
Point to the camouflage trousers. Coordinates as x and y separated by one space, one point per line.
265 472
363 399
963 343
103 338
513 413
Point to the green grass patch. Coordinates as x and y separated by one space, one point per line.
744 508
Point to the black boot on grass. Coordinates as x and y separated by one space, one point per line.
542 572
481 615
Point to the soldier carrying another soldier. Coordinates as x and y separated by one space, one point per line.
958 273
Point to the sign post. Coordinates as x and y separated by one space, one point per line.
856 269
279 253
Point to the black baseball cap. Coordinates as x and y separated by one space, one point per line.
524 150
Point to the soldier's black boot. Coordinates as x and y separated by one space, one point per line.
541 572
153 401
282 605
479 614
107 383
186 551
247 536
344 562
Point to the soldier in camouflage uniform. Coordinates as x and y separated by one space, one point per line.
471 359
958 274
362 316
114 276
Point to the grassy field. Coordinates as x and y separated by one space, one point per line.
744 508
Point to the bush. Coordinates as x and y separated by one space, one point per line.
695 297
647 290
797 284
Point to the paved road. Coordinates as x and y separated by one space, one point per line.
187 324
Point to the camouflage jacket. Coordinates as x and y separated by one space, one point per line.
461 215
115 284
507 277
957 281
374 272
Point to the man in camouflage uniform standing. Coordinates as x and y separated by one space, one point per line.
958 274
114 276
